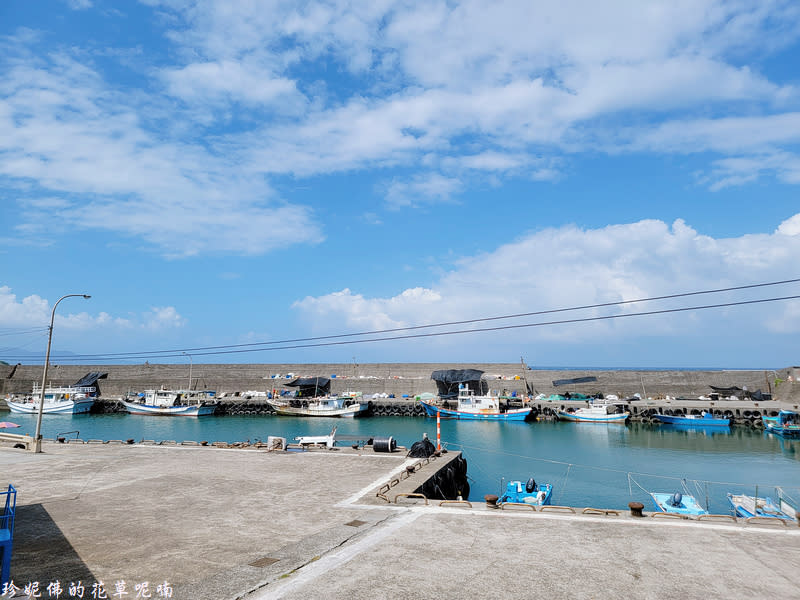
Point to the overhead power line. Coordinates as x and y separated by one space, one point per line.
445 333
257 346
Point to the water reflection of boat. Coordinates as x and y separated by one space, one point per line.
677 503
698 431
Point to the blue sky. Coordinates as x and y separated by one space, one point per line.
225 173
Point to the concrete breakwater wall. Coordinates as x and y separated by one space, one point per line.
400 378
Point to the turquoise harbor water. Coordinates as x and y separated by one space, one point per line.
588 464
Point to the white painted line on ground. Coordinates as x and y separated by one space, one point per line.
377 483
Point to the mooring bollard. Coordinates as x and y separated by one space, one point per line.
636 509
491 500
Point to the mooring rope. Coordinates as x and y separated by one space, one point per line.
605 469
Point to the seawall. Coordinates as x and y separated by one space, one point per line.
400 378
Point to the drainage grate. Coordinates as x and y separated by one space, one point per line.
356 523
264 562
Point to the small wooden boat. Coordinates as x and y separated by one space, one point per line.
535 494
752 506
677 504
706 419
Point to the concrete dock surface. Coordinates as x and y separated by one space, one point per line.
224 524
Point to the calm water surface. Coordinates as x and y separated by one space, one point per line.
588 464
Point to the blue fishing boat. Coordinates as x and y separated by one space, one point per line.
476 408
706 419
535 494
756 506
677 504
786 424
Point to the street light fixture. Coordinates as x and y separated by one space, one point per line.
190 369
37 445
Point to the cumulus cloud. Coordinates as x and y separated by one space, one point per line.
67 133
563 267
248 83
33 312
790 226
421 189
434 88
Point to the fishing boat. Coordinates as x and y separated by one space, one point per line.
677 503
756 506
706 419
473 407
349 404
536 494
597 412
57 400
786 424
172 403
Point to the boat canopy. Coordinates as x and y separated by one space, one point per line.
311 386
90 380
741 393
588 379
448 381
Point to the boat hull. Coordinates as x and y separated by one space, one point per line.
190 410
790 431
563 415
516 414
750 506
351 411
692 422
68 407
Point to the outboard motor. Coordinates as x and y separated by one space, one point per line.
675 499
530 486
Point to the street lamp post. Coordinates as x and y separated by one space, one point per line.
190 369
37 446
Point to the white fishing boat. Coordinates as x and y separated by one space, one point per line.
57 400
349 404
474 407
597 412
177 403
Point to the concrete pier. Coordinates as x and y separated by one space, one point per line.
218 523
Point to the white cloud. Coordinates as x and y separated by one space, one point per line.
34 312
557 268
63 130
437 86
421 189
79 4
165 317
790 226
200 82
